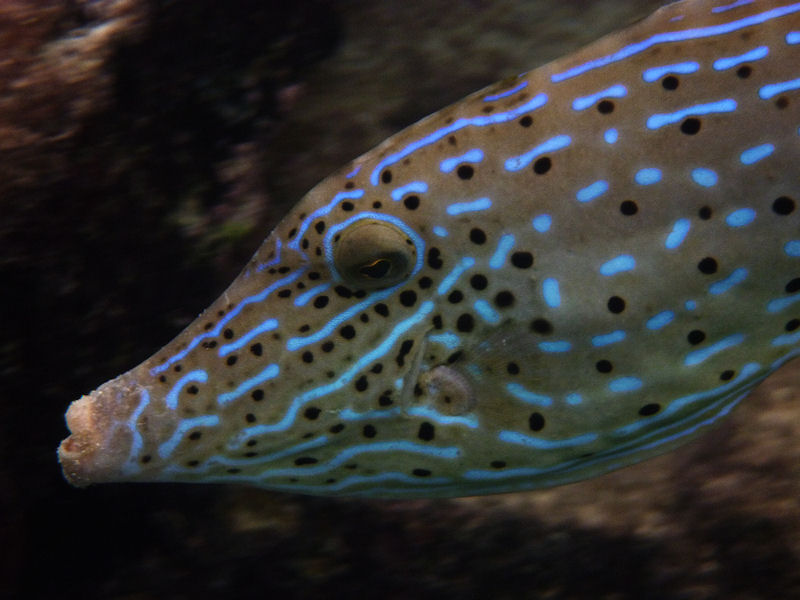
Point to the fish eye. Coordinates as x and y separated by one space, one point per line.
373 254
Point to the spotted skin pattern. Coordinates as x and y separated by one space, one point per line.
560 275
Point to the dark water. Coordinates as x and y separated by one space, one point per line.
138 174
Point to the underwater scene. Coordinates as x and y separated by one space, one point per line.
536 345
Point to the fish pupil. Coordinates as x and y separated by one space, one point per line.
376 269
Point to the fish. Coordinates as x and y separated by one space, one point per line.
565 273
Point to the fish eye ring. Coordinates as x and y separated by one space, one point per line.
372 251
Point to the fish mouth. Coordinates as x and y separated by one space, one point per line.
100 440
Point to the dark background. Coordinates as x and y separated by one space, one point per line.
145 149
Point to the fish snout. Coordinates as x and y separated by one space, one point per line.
103 434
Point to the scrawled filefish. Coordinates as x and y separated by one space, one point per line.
565 273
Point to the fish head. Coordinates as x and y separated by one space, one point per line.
346 335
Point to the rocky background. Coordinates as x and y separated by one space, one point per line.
146 146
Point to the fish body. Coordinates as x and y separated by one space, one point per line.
562 274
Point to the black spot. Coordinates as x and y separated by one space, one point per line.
347 206
727 375
526 121
465 323
542 326
257 395
628 208
455 297
337 428
478 282
192 463
498 464
707 266
793 286
321 301
162 379
704 213
504 299
744 71
536 421
649 409
192 389
386 176
542 165
670 82
284 293
250 418
311 413
231 360
382 309
465 172
696 337
385 400
522 260
512 368
454 357
308 357
690 126
782 102
343 291
228 334
604 366
426 432
363 317
327 346
319 226
305 460
195 435
792 325
616 304
437 322
605 107
361 383
434 258
348 332
411 202
377 204
425 282
783 206
421 472
314 275
477 236
408 297
147 458
405 348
